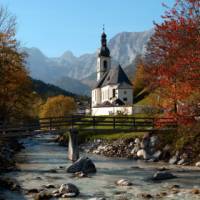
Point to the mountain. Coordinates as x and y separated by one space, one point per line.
74 86
124 48
46 90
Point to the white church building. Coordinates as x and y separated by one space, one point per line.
113 92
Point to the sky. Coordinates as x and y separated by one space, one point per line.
56 26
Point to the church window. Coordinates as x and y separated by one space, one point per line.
105 65
114 92
125 99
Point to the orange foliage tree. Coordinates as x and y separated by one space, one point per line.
15 86
58 106
173 56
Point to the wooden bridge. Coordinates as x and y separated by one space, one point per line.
86 123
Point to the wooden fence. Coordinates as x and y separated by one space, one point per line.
80 122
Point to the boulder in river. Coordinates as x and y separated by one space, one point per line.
68 190
123 182
162 175
197 164
173 160
84 165
142 154
43 195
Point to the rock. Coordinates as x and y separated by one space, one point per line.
50 186
175 187
52 171
197 164
81 175
157 154
173 160
135 150
142 154
195 191
137 141
146 196
34 190
163 176
123 182
69 190
181 162
83 164
43 196
10 184
153 140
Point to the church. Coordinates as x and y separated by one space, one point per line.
113 92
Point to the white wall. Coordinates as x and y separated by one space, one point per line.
100 67
96 97
126 93
112 110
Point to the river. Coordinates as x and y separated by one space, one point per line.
44 162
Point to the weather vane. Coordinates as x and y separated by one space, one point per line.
103 27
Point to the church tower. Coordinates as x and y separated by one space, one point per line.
104 59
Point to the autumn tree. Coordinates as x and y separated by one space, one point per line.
15 86
58 106
173 55
139 79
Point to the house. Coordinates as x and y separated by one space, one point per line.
113 92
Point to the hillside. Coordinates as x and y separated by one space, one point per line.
46 90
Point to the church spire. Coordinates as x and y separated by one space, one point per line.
104 51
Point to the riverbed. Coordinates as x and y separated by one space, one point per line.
44 162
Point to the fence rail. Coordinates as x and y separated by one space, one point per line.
81 122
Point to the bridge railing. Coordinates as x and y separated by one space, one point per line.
90 122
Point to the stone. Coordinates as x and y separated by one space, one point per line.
33 190
50 186
142 154
173 160
195 191
181 162
84 165
146 196
137 141
135 150
153 140
81 175
160 175
123 182
157 155
197 164
43 196
68 190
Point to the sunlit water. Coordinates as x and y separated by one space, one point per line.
42 154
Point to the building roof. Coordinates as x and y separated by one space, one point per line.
116 76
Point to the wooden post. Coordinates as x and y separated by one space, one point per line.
94 122
73 150
113 122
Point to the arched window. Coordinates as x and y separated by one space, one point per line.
105 65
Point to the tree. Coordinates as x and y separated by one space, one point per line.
15 85
139 82
58 106
173 55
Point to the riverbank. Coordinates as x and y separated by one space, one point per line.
149 147
43 169
8 148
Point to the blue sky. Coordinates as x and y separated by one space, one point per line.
55 26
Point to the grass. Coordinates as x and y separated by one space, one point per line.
105 135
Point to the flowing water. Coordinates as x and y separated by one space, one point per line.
44 162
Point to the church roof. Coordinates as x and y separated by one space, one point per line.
116 76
